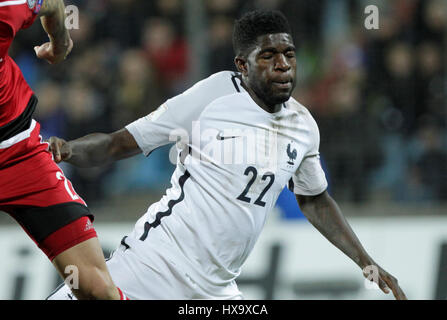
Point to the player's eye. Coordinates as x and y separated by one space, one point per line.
267 56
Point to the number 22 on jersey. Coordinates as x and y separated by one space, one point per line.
254 173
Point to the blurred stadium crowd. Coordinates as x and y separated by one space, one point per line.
379 96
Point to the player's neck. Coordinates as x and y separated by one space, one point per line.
268 108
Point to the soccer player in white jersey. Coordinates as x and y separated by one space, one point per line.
242 139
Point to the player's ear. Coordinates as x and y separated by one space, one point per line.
241 64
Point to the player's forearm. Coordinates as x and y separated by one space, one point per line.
92 150
53 21
325 215
98 149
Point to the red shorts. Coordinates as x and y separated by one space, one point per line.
35 192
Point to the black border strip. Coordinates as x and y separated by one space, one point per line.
291 185
171 204
21 123
40 222
233 78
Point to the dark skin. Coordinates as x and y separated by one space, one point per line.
269 76
325 215
269 70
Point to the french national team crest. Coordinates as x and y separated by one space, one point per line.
292 154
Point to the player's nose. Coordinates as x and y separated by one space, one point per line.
281 63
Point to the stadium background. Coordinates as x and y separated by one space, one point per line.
379 97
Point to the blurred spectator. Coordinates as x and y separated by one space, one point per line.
221 45
431 96
227 7
268 4
428 168
400 84
434 20
166 51
83 36
349 139
84 109
137 92
50 114
172 10
121 21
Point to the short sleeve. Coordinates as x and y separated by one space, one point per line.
174 119
161 127
310 179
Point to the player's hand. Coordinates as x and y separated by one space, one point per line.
53 53
60 149
385 281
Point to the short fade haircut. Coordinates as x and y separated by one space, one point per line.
254 24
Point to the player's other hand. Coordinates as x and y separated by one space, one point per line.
60 149
385 281
53 53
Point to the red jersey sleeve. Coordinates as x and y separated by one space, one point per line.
29 22
15 92
34 6
19 14
15 15
6 34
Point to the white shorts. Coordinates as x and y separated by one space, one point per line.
158 280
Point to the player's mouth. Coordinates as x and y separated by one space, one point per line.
286 84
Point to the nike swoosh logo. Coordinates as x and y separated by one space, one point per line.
220 137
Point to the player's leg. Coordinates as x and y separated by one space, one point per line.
153 277
39 197
35 192
118 268
66 236
140 281
93 278
63 292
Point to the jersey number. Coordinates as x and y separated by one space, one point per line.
72 194
243 195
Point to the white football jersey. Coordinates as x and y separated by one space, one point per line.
234 160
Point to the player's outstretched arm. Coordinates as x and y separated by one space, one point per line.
52 16
95 149
324 214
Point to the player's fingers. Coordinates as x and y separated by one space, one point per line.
399 294
57 155
51 143
44 52
54 148
397 291
383 286
65 151
40 52
41 49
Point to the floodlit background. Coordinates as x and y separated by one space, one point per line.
379 97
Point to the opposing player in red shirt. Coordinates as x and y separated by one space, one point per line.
33 189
